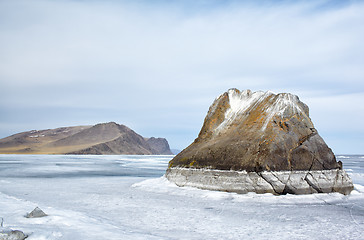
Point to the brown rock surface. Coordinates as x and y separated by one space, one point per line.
257 131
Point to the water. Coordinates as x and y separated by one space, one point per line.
127 197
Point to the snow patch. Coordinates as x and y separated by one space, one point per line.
35 136
240 102
285 104
359 188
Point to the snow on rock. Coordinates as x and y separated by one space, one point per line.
242 102
284 106
239 103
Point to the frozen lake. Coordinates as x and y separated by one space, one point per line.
127 197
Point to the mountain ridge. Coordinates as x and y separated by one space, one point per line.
103 138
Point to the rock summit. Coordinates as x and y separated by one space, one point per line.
259 142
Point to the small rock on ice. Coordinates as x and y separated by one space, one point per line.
36 213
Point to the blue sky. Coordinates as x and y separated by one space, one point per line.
156 66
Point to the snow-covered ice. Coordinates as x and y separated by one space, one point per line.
127 197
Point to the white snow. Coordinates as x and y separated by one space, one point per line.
127 197
239 103
284 102
35 136
242 102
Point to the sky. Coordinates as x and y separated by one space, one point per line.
157 66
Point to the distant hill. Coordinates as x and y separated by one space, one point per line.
103 138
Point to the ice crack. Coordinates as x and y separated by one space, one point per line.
262 176
311 184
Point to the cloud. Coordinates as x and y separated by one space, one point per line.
165 62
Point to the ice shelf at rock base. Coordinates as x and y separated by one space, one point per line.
276 182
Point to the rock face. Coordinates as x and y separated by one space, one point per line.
262 140
103 138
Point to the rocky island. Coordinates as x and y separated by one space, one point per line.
100 139
259 142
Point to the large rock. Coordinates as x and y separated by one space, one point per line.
264 138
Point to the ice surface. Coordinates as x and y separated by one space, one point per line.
127 197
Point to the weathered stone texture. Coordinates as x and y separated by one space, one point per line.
257 132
